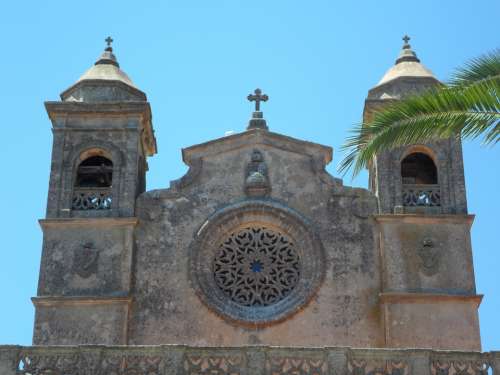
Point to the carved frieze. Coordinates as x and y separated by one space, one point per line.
377 367
459 367
296 365
206 364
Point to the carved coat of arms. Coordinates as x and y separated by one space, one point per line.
85 260
429 257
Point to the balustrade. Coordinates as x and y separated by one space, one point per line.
421 195
182 360
91 198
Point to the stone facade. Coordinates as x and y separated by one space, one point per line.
256 245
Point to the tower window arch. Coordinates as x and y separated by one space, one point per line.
95 171
419 168
93 182
419 176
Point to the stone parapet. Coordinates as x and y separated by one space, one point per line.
253 360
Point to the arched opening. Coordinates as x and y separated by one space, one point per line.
93 182
418 168
419 176
95 171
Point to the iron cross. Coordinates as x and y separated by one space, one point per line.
109 40
257 97
406 39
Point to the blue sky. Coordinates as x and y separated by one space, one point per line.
197 61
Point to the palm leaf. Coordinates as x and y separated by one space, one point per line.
470 107
477 69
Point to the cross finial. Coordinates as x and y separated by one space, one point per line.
406 39
108 41
257 97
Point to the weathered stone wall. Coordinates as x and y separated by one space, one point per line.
160 264
345 308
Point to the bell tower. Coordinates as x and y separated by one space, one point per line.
428 288
102 135
426 178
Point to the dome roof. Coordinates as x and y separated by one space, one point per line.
104 82
407 65
107 68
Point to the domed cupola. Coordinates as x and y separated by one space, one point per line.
407 76
104 82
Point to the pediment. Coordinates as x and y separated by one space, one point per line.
257 137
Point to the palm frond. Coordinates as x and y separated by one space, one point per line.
439 113
477 69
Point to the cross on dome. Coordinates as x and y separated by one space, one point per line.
108 41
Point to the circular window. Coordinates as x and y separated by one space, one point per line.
256 262
257 266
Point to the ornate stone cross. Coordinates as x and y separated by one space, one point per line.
109 40
257 97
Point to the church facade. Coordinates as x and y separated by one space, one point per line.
257 246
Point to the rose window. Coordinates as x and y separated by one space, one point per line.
256 266
256 262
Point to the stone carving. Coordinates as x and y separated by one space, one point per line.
212 365
257 266
132 365
85 260
297 366
460 367
377 367
71 363
256 180
429 257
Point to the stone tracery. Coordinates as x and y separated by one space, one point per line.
257 266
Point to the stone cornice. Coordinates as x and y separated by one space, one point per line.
46 301
104 82
257 137
396 297
55 109
425 219
88 222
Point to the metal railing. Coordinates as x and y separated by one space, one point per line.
91 199
416 195
253 360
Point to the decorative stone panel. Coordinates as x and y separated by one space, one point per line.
213 363
297 363
256 262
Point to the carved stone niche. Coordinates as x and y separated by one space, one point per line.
256 177
256 262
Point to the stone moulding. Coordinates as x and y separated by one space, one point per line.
80 300
393 297
91 222
263 213
182 360
424 219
